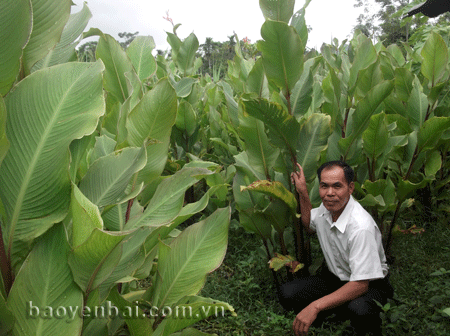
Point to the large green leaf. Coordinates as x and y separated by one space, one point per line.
85 217
302 94
361 117
190 310
313 139
4 143
93 261
184 264
6 317
117 65
261 154
277 10
106 181
257 80
283 128
140 53
186 118
365 56
184 52
44 298
431 132
274 189
46 111
132 257
49 20
168 199
417 105
376 136
255 221
138 323
245 176
435 58
15 30
403 83
299 23
153 119
64 51
282 54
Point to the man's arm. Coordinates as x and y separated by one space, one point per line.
298 179
350 291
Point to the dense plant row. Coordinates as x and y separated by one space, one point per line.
102 161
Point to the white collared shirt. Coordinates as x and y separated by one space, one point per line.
352 245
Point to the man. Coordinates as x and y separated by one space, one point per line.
356 270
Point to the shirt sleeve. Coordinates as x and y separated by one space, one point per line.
364 260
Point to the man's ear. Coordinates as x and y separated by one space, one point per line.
351 186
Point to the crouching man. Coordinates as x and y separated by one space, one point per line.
356 271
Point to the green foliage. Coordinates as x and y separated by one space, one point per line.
81 144
103 162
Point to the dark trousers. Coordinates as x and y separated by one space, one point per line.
363 312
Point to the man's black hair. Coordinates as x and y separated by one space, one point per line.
348 171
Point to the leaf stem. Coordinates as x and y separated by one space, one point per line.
5 265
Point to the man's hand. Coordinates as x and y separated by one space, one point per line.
304 319
298 179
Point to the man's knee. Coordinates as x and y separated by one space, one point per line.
362 307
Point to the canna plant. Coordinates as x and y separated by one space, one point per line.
383 110
85 211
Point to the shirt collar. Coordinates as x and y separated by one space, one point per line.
342 221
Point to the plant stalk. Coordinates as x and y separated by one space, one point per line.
5 265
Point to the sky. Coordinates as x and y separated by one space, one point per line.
216 19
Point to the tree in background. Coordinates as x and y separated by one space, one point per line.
384 20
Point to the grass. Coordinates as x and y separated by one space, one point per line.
420 276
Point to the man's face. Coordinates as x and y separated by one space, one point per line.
334 190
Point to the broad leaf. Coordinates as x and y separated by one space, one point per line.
140 53
274 189
184 264
117 65
365 109
431 131
365 56
64 51
48 304
313 139
106 181
15 30
168 198
6 316
94 261
277 10
261 154
256 222
183 52
85 217
403 83
417 105
283 128
302 94
376 136
435 58
137 321
132 257
34 180
186 118
282 54
4 143
190 310
46 13
152 119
